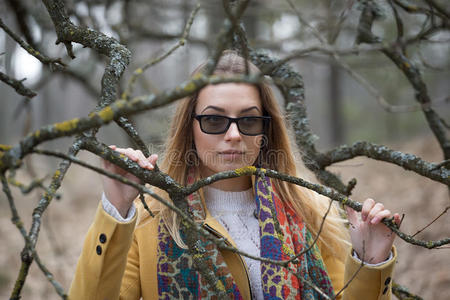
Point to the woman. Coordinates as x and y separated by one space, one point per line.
129 254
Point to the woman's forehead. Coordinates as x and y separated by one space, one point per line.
229 96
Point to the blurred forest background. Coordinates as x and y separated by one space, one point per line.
341 110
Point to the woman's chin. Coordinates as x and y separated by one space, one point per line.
222 167
231 167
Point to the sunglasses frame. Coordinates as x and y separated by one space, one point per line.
266 121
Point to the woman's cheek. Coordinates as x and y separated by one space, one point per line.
253 150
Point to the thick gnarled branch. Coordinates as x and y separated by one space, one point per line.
409 162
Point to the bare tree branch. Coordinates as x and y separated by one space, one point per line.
25 189
17 85
415 9
55 63
139 71
407 161
439 8
119 57
21 12
403 294
410 71
25 255
434 220
131 131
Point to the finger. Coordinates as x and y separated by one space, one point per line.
380 216
143 161
378 207
352 215
140 156
367 206
397 219
130 153
152 159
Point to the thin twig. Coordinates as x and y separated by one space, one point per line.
415 9
24 256
59 289
434 220
53 62
354 274
316 238
17 85
25 189
316 288
181 42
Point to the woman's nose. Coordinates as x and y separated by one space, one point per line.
233 132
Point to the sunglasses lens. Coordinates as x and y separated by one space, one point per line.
213 124
251 126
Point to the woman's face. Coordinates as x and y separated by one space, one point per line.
231 149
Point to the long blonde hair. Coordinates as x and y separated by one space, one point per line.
276 154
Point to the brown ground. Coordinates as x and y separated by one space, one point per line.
424 272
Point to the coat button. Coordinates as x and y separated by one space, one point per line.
98 250
385 290
388 280
102 238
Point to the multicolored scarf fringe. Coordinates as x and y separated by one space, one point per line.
282 233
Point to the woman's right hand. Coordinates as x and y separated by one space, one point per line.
119 194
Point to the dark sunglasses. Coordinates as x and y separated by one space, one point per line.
217 124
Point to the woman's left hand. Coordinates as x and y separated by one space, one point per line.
371 239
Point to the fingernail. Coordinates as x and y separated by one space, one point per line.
374 220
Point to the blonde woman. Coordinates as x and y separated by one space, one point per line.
129 254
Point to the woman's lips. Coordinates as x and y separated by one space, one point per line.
231 154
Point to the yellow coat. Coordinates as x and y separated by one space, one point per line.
119 261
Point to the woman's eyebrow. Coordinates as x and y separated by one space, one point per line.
249 109
223 110
214 107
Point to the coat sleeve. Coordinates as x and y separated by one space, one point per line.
102 263
366 282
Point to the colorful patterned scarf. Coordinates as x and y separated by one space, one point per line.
282 233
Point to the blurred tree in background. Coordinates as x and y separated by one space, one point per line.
376 71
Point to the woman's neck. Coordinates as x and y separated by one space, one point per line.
233 184
236 184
